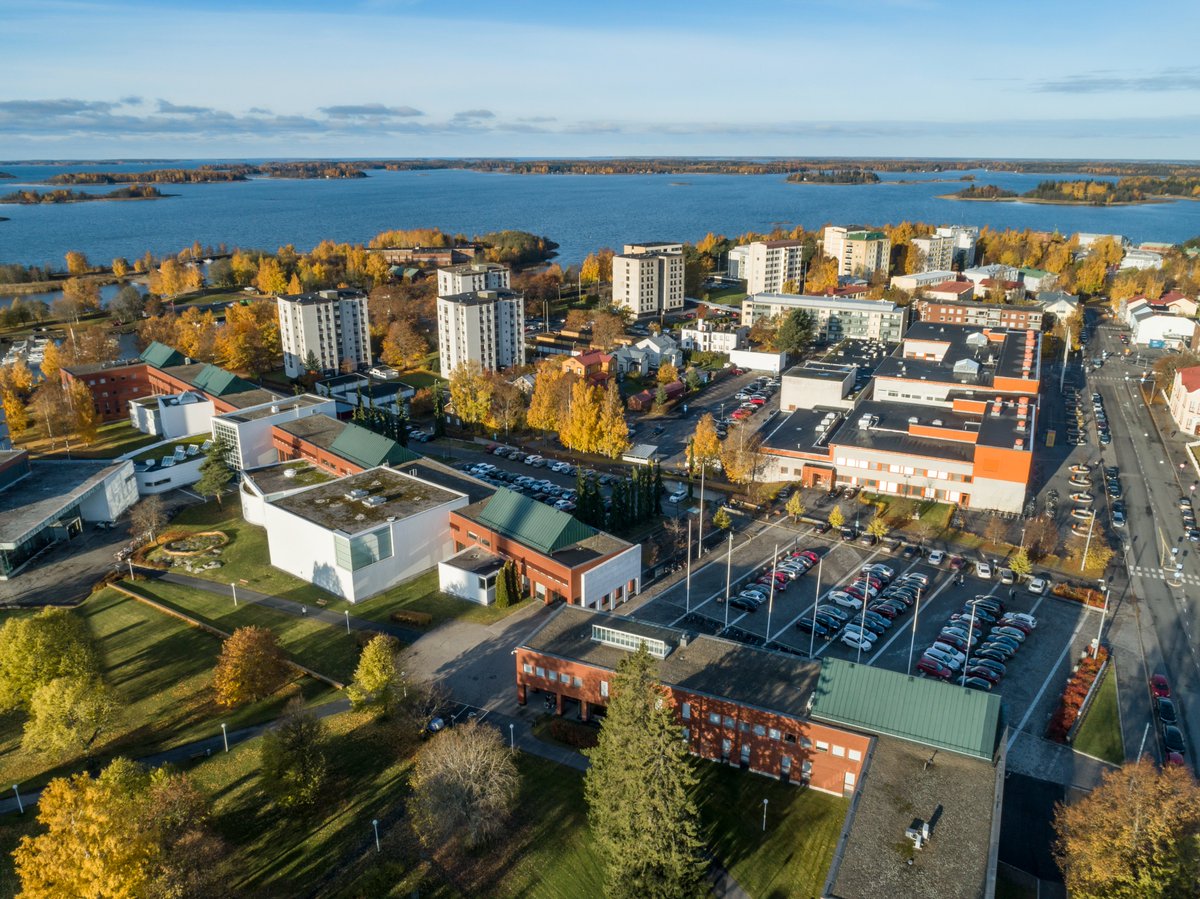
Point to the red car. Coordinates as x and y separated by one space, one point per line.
1174 758
934 669
1159 686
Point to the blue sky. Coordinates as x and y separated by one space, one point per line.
380 78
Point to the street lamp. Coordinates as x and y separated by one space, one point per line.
347 621
225 736
970 634
764 816
512 740
375 824
20 805
1103 615
233 587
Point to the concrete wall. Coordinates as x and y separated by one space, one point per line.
160 480
609 576
186 418
808 393
768 362
464 585
118 493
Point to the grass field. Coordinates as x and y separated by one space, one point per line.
727 296
116 438
162 671
419 379
327 650
245 561
1100 733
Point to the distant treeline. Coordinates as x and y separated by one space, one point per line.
835 176
35 198
985 192
6 175
217 173
1124 190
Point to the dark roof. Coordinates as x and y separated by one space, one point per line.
329 506
481 297
476 560
317 297
91 368
761 678
954 793
916 709
319 430
890 434
444 476
1006 355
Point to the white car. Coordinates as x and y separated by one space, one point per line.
1007 576
1038 586
859 631
1022 617
845 599
942 659
937 557
855 643
949 651
678 496
880 570
529 460
983 570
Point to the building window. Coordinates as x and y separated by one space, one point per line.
685 711
554 677
839 751
604 688
541 672
822 746
729 722
773 733
527 668
687 734
854 755
578 681
714 718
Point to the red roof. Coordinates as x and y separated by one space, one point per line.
595 357
1171 296
959 287
992 282
1190 378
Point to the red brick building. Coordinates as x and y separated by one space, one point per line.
557 556
735 703
112 385
984 315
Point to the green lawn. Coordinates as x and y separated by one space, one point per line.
1100 733
419 379
162 671
245 561
727 296
116 438
327 650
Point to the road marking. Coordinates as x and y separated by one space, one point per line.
829 643
1045 683
923 603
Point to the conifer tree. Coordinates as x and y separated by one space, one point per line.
639 790
215 472
503 600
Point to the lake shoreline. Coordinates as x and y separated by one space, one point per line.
1149 201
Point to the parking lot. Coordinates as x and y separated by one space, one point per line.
1030 685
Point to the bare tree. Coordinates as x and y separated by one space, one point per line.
464 785
147 518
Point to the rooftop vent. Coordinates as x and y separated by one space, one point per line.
372 502
289 472
937 422
914 420
274 410
357 493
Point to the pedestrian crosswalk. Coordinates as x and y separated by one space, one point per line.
1163 574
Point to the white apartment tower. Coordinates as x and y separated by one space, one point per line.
648 278
937 252
484 326
332 325
470 277
773 263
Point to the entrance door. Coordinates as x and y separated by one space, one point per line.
785 768
745 755
726 747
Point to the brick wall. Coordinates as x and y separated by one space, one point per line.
291 448
113 388
742 735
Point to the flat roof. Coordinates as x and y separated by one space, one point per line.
751 676
92 368
315 297
890 434
294 475
819 371
954 793
46 492
319 430
444 476
996 358
807 301
279 407
327 505
479 297
476 560
797 431
463 267
247 398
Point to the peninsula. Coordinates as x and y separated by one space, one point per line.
54 197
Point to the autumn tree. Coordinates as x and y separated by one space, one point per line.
577 320
51 409
613 437
548 403
795 332
120 267
376 679
721 519
197 334
580 429
508 405
667 373
35 650
77 263
1041 536
294 766
995 532
126 833
69 714
471 393
147 518
836 517
795 506
16 378
403 347
822 275
92 345
173 278
651 846
15 413
741 454
764 333
464 787
249 341
1020 564
270 278
161 328
607 326
251 666
1136 836
85 418
128 305
705 447
878 527
79 297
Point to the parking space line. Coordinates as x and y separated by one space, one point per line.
829 643
1045 683
753 569
923 604
851 574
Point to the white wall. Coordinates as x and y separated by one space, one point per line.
769 362
186 418
464 585
118 494
254 437
808 393
611 574
160 480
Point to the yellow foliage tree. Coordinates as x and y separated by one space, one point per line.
706 445
403 347
613 433
580 430
667 373
245 268
270 278
197 334
249 341
250 666
77 263
471 394
52 362
16 378
822 275
547 411
15 413
120 267
87 420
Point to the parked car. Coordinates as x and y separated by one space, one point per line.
933 668
1159 686
678 496
946 661
1173 739
745 603
855 642
983 570
1007 576
991 664
1165 709
858 630
1037 586
992 653
936 557
842 598
977 683
1022 617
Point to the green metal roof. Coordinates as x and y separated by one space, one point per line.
865 235
919 710
162 356
532 523
368 449
218 382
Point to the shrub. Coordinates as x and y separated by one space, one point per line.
1073 696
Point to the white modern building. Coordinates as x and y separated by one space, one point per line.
707 338
736 262
771 264
471 277
360 535
858 252
354 390
648 278
332 325
171 464
172 415
1141 260
918 280
247 432
964 238
993 272
471 574
834 318
483 326
937 251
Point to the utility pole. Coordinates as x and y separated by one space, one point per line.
1062 376
700 537
687 590
812 637
728 566
771 600
1088 543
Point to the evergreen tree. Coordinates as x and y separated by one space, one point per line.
639 790
439 411
402 426
215 472
657 495
312 363
634 494
514 581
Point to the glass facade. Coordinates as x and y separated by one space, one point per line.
623 640
353 553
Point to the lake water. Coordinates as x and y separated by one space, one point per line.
580 212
